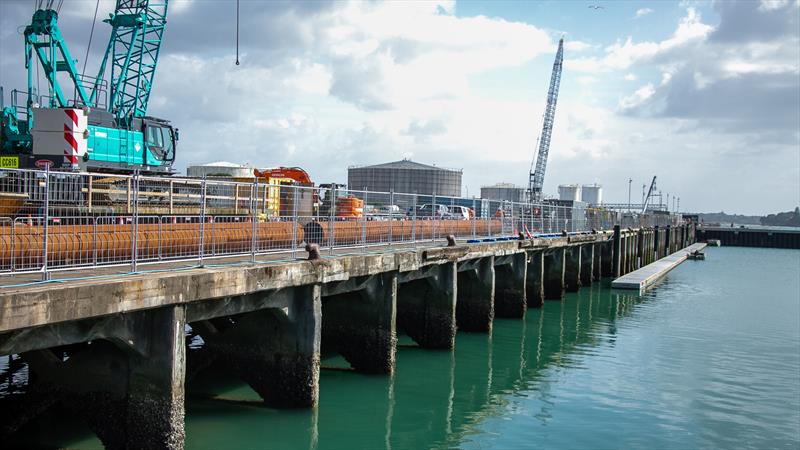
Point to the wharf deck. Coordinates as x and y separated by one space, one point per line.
645 277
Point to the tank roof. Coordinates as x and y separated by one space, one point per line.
403 164
222 164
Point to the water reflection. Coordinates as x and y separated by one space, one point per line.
435 398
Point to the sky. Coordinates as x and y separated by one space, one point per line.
705 95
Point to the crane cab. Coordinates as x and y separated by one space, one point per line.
149 146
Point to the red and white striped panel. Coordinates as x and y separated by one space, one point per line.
61 132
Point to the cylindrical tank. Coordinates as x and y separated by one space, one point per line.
592 194
569 192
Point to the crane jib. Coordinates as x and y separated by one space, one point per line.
536 179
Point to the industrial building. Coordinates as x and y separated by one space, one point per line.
503 192
220 169
405 176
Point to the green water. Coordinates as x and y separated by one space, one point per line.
709 358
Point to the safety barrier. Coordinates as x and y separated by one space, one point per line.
51 221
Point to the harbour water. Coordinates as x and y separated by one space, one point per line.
708 358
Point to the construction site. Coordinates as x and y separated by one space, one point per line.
105 153
89 191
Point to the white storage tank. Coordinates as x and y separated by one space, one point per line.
592 194
569 192
220 169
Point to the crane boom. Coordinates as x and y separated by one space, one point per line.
649 195
136 35
536 178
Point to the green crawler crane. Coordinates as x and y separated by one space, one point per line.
105 127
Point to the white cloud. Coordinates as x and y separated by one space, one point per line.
179 6
324 86
378 64
700 80
772 5
622 55
642 12
637 98
577 46
737 67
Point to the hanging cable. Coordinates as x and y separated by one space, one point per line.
91 35
237 32
38 88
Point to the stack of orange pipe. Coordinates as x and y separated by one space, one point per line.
111 242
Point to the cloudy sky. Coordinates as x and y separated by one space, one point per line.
706 95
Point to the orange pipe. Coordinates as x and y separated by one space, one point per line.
75 244
111 242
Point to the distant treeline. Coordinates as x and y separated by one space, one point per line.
723 218
783 219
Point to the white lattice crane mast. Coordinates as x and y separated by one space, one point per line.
536 179
650 194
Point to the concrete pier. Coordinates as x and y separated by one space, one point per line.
510 283
120 350
668 241
572 269
475 304
276 349
361 324
630 254
534 288
128 387
587 264
606 260
640 254
554 261
426 307
597 262
745 237
616 266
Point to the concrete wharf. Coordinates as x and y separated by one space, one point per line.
116 347
752 237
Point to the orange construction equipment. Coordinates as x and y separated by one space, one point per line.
280 200
284 175
349 207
